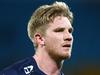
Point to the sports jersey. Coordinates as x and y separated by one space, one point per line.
27 66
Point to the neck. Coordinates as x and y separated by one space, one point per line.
47 64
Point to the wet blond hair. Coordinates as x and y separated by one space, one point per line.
46 14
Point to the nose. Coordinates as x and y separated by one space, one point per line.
68 37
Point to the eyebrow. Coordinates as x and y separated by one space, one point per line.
62 28
59 29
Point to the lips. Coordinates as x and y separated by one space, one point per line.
67 45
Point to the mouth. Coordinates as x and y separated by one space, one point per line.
67 45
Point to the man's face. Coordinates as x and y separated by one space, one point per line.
58 38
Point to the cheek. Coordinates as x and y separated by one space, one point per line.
53 41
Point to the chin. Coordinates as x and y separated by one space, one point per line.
66 56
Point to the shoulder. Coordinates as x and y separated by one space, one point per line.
19 68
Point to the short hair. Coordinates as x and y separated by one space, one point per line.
44 15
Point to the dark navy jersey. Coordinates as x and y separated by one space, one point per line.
27 66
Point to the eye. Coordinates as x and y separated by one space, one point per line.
70 30
59 30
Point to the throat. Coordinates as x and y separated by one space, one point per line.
47 64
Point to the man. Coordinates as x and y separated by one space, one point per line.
50 29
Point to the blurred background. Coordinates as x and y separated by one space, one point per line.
15 44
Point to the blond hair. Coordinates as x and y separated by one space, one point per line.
46 14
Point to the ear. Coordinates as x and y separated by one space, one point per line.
39 39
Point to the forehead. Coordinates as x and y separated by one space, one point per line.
60 21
